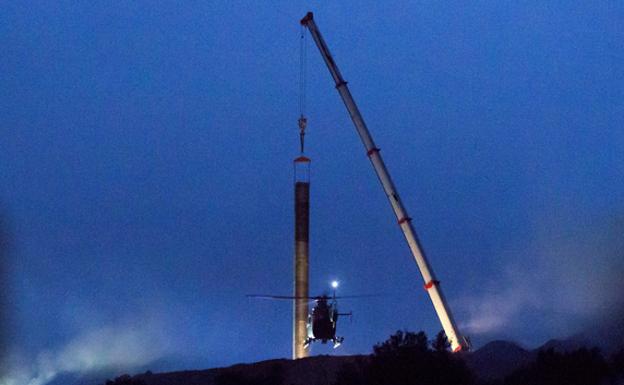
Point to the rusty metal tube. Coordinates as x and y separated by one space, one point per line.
301 260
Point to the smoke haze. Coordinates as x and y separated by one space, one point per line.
133 345
568 281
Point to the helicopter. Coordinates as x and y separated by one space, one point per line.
323 318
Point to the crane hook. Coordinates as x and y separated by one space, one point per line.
302 87
302 125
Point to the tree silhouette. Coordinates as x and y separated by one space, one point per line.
402 342
125 379
406 359
440 342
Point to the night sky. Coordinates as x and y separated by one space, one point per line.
146 174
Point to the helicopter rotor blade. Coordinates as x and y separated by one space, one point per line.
358 296
316 298
263 296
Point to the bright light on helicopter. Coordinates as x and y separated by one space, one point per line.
334 284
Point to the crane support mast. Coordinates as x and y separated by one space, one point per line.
432 285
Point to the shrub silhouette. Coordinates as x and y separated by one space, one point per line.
125 379
406 359
440 342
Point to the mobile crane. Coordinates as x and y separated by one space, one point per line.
432 285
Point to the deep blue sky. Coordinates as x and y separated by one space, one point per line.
146 176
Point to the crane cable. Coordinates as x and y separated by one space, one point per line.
302 87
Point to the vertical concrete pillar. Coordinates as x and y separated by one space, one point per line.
301 261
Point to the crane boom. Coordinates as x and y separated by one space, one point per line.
432 285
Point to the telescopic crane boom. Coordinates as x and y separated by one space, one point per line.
432 285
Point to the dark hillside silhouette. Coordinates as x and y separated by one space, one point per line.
274 376
126 380
579 367
497 359
407 359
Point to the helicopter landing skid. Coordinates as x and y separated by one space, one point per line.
337 341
